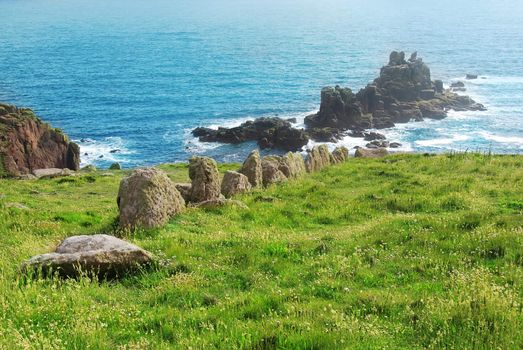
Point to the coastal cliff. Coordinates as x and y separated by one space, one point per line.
27 144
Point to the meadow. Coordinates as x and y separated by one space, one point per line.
411 251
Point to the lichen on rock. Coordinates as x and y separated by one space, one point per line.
148 199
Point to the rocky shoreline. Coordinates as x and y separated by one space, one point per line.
403 92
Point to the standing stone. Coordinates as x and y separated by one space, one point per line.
148 199
271 172
339 155
205 179
318 158
234 183
252 168
293 165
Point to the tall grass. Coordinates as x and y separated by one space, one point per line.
406 252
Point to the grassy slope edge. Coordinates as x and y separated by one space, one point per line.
406 252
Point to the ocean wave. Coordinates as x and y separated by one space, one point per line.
491 80
516 140
110 149
442 141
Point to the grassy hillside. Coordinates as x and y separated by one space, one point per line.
406 252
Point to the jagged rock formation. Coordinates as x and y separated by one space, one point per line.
27 144
101 255
403 92
148 199
267 132
205 179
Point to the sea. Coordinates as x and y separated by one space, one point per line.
129 79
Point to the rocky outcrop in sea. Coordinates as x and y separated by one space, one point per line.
403 92
28 144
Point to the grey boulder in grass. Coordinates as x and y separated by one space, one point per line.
235 183
205 179
97 255
148 199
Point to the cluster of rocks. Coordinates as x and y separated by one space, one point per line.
267 132
27 144
148 198
403 92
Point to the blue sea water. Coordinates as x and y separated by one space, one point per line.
137 76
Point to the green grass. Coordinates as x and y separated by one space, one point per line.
406 252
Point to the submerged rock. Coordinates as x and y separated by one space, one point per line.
27 144
148 199
99 255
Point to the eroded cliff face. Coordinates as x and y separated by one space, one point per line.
27 143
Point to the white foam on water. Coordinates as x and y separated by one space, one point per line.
515 140
442 141
491 80
93 151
